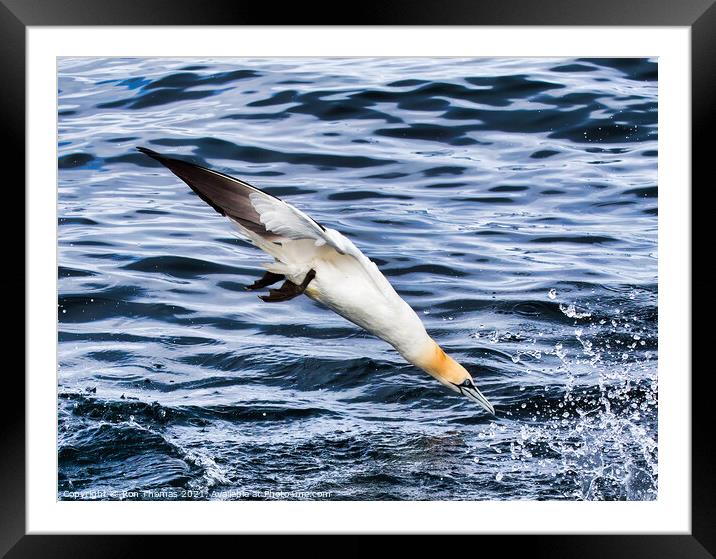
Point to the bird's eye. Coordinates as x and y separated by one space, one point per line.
467 383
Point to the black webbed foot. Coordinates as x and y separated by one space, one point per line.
269 278
288 290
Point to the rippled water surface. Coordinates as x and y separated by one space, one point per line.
511 202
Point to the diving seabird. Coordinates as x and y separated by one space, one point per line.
324 265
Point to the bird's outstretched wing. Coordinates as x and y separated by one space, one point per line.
264 215
252 208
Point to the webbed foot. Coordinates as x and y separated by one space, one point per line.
269 278
288 290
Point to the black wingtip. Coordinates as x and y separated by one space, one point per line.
169 162
149 152
163 159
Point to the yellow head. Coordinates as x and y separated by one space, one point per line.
450 373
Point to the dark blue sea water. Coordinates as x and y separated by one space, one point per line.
511 202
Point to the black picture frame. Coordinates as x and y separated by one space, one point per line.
16 15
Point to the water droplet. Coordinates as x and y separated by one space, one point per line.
552 294
571 311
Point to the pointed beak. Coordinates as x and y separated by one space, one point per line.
474 394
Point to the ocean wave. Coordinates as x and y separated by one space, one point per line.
513 203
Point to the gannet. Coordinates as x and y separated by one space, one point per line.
326 266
